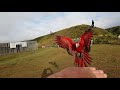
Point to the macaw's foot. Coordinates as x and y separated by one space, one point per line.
80 55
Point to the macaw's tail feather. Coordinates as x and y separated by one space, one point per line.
83 61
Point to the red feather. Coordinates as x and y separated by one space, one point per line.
69 44
64 42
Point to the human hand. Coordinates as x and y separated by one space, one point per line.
79 72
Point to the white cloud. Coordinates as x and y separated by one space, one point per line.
18 26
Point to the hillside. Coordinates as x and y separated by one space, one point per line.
72 32
115 30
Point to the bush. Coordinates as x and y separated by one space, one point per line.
104 39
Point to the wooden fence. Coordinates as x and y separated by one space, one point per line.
5 48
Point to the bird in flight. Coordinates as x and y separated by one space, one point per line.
79 50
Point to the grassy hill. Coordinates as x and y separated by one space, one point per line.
72 32
115 30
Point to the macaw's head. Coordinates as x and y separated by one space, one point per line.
77 44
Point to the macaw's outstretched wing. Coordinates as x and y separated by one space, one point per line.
87 37
64 42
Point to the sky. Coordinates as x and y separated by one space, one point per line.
20 26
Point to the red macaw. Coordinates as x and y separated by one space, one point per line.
79 50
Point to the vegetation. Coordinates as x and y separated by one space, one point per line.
105 39
115 30
100 35
43 62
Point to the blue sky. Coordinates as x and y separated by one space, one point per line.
19 26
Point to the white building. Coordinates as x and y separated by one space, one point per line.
13 45
7 48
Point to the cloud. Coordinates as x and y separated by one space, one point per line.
19 26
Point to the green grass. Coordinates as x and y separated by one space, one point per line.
107 58
43 62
